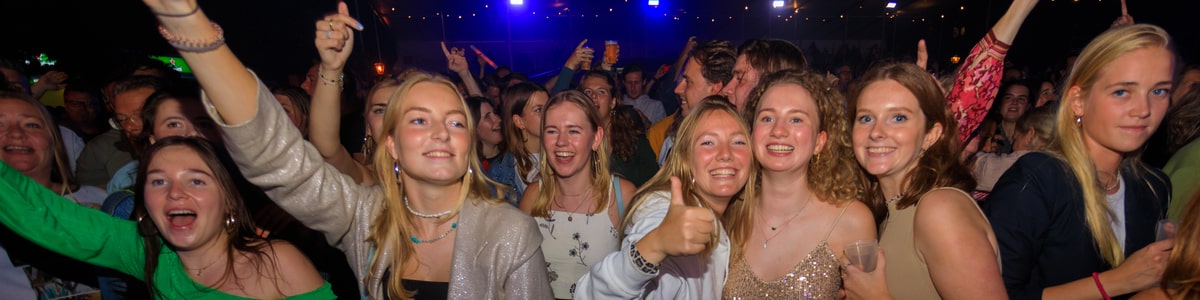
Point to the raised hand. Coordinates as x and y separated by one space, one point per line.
922 55
50 81
581 55
456 59
334 39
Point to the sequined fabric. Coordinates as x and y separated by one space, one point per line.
818 276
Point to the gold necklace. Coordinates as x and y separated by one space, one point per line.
767 239
571 213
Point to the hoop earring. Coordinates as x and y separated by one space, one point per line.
229 222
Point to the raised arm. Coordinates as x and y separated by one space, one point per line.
456 60
324 116
562 81
978 79
61 225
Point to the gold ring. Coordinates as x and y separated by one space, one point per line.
330 24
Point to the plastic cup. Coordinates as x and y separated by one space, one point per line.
862 253
611 50
1164 230
587 64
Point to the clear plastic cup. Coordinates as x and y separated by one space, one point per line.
1164 230
862 253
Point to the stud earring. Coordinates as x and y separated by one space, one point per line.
229 222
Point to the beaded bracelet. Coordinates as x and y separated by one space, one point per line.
640 262
184 44
326 81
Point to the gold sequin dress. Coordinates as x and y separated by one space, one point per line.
818 276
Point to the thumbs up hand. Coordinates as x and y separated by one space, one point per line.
686 230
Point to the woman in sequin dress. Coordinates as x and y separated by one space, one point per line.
788 243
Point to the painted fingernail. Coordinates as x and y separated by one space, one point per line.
360 27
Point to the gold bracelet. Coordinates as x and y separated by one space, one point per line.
326 81
190 45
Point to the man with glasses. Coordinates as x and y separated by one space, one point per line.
106 153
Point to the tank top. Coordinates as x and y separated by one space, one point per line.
817 276
573 242
907 273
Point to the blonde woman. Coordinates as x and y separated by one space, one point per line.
432 211
578 202
1078 221
673 245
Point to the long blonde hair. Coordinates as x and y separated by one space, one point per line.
677 166
601 176
833 175
1069 143
393 225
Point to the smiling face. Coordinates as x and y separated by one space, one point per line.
489 127
889 129
25 139
185 200
721 158
431 141
787 129
1015 102
570 140
1127 102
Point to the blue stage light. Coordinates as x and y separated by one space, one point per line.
777 3
653 3
516 2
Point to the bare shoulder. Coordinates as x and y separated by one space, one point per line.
530 196
296 273
627 190
857 218
941 204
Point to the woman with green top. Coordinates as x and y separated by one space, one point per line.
193 238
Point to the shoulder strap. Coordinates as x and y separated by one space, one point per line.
836 220
620 198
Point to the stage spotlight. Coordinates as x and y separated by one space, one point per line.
516 2
891 5
777 3
653 3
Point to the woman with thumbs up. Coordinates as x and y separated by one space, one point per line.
674 245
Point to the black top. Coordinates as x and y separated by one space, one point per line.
424 290
1037 213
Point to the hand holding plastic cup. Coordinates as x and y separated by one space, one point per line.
587 64
862 253
1164 230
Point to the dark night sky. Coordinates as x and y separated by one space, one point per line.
275 36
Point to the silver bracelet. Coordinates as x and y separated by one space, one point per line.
640 262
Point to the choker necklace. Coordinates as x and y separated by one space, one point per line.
415 240
425 215
767 239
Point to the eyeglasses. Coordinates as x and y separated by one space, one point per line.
118 120
596 92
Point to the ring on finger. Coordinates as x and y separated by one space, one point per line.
330 24
329 34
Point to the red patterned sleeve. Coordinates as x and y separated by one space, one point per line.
977 83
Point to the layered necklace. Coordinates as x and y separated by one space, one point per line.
414 238
774 228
